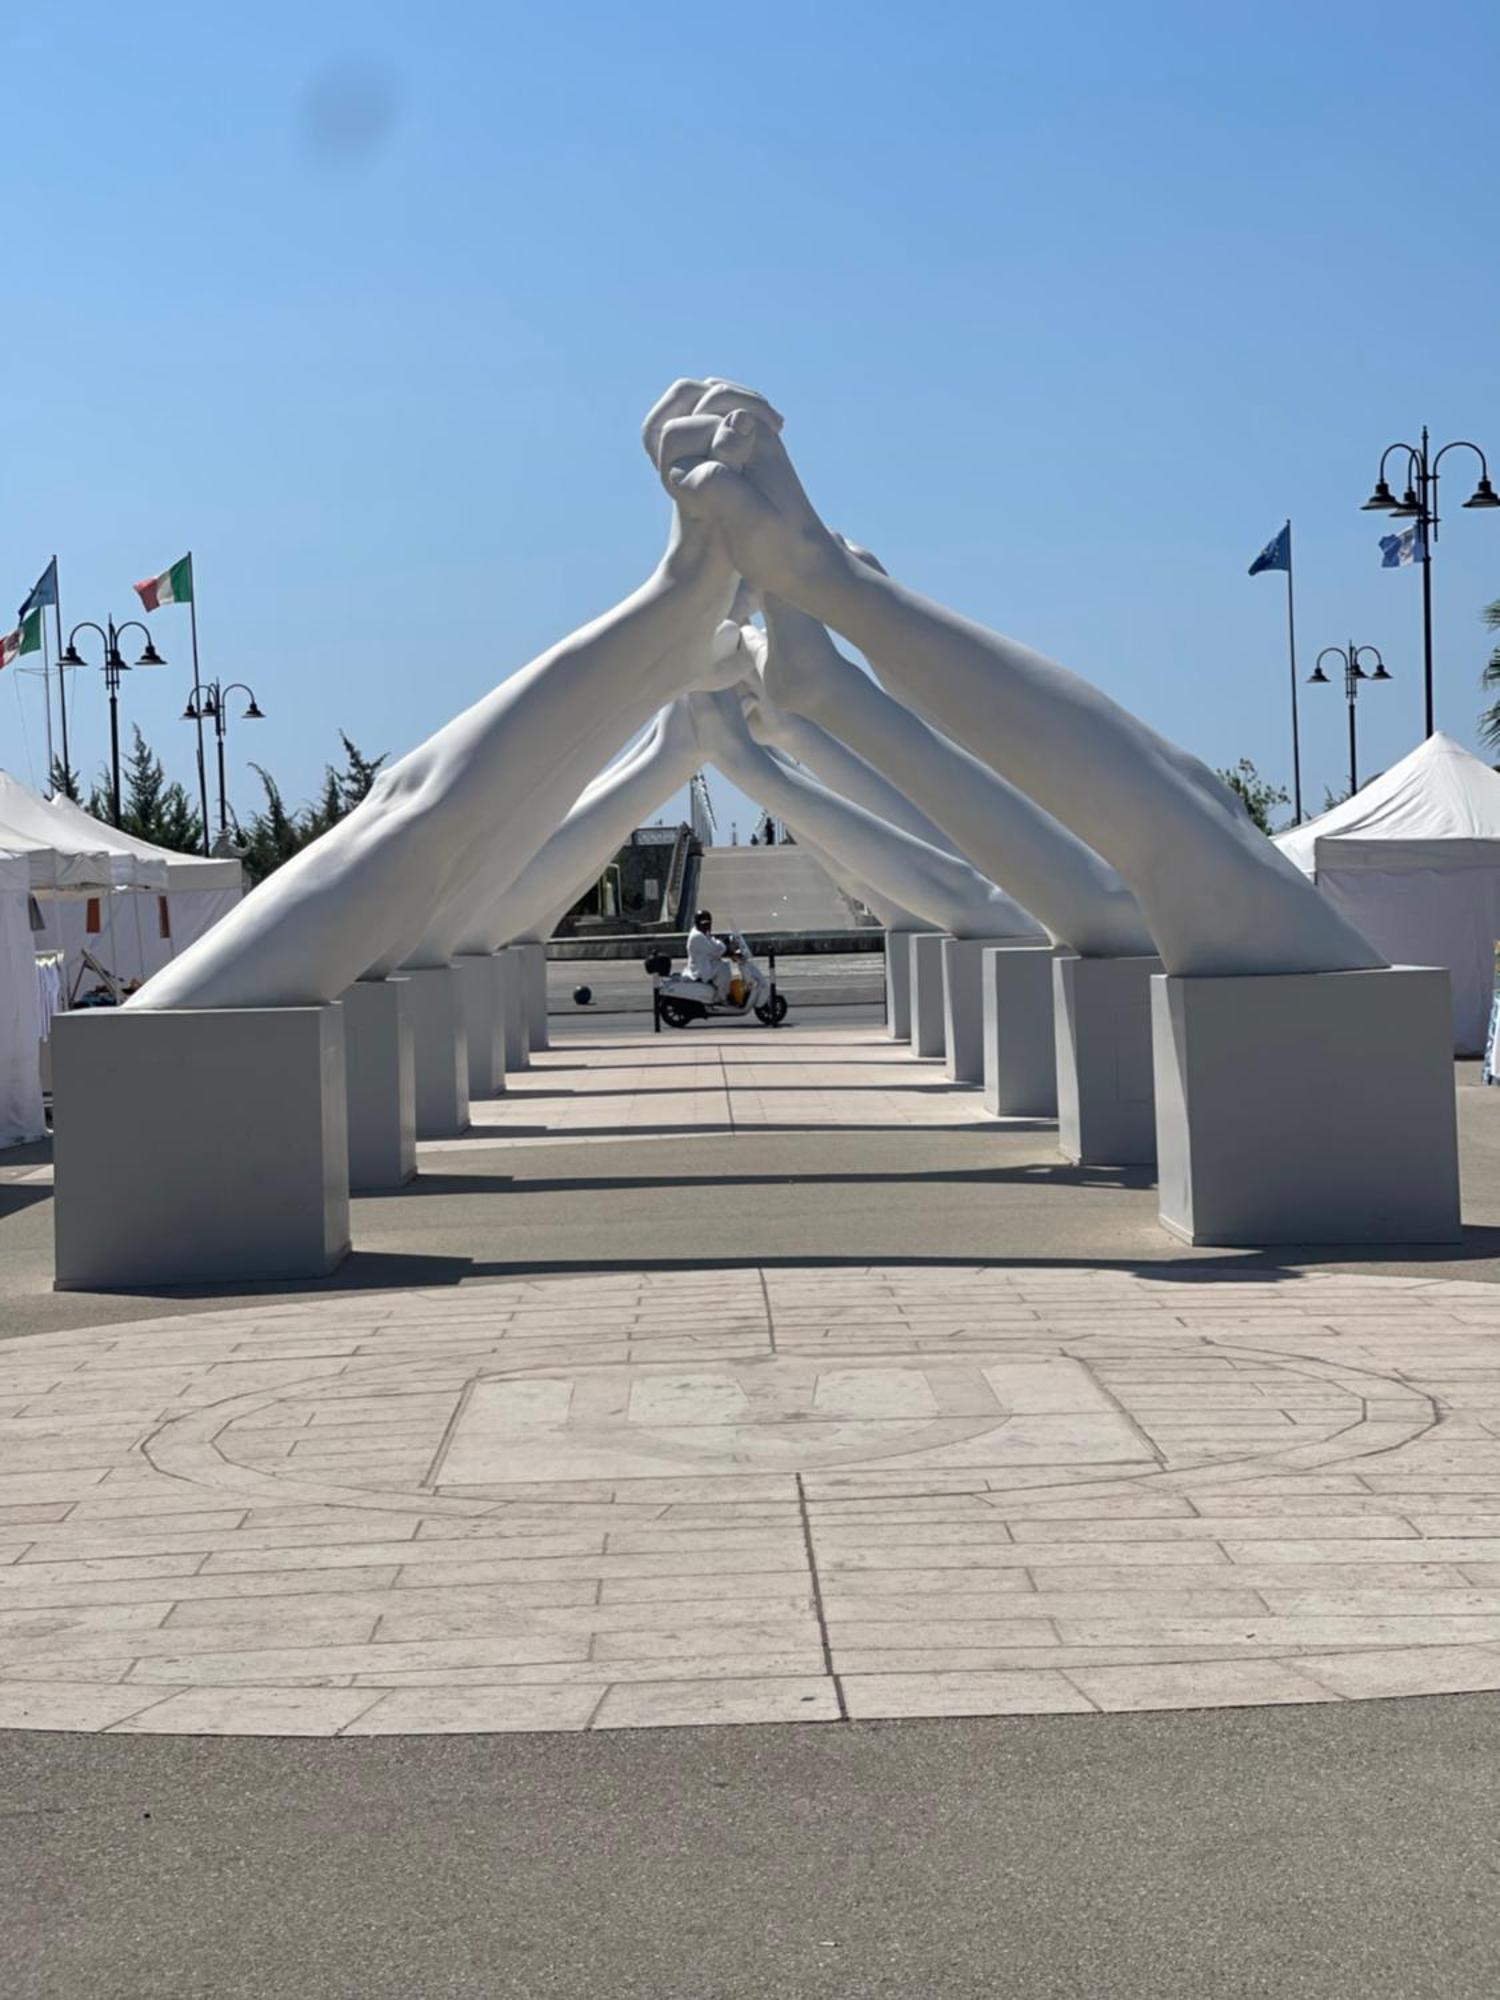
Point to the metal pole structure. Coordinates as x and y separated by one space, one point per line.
1291 640
112 684
47 696
202 766
62 678
219 733
1426 528
1351 693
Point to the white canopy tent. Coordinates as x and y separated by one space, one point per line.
142 933
1413 860
20 1014
62 858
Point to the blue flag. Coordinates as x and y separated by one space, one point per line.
43 591
1396 551
1277 553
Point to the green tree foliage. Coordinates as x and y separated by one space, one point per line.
64 782
1260 796
276 833
152 807
1489 680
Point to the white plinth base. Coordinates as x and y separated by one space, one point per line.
1106 1096
898 985
199 1148
963 1005
1020 1031
928 1029
534 958
381 1074
482 984
440 1050
517 1041
1307 1108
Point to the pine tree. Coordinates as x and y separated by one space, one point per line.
151 807
64 782
274 835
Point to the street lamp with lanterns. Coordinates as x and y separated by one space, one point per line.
1419 503
206 704
114 666
1354 673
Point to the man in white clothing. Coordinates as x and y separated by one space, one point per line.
707 959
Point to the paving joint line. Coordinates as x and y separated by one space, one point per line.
817 1596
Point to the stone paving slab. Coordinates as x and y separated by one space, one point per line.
649 1499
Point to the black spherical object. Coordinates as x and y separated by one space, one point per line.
583 995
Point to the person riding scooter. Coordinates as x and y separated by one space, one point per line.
716 960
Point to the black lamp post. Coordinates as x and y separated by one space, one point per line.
206 704
114 665
1354 673
1419 503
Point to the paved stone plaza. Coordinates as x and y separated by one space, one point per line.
779 1494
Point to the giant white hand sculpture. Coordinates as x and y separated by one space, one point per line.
843 770
360 898
941 887
1217 897
1079 898
609 810
704 658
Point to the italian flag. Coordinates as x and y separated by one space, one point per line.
173 586
27 638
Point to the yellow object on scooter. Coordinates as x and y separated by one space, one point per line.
737 990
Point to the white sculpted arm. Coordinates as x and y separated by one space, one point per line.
1217 897
605 815
1078 897
362 896
938 886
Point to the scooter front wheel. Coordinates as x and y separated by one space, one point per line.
773 1012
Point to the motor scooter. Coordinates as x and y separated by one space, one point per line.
680 1000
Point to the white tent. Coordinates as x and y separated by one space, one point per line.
1413 860
20 1015
140 934
62 859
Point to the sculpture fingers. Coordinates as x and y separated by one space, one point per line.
679 401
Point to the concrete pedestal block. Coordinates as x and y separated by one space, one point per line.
928 1031
381 1074
963 1004
481 980
1307 1108
1020 1032
1106 1097
440 1050
517 1041
534 983
898 985
199 1147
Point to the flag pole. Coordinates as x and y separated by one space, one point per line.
197 704
62 677
47 697
1291 642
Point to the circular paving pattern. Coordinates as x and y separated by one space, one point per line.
796 1495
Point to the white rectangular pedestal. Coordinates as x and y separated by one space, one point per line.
1106 1098
199 1147
898 985
381 1077
517 1041
1307 1108
963 1005
534 958
1020 1031
928 1036
440 1050
482 984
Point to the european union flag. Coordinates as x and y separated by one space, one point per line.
43 591
1277 553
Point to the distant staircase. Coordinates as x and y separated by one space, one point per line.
774 889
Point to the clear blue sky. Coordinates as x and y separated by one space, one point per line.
1068 309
